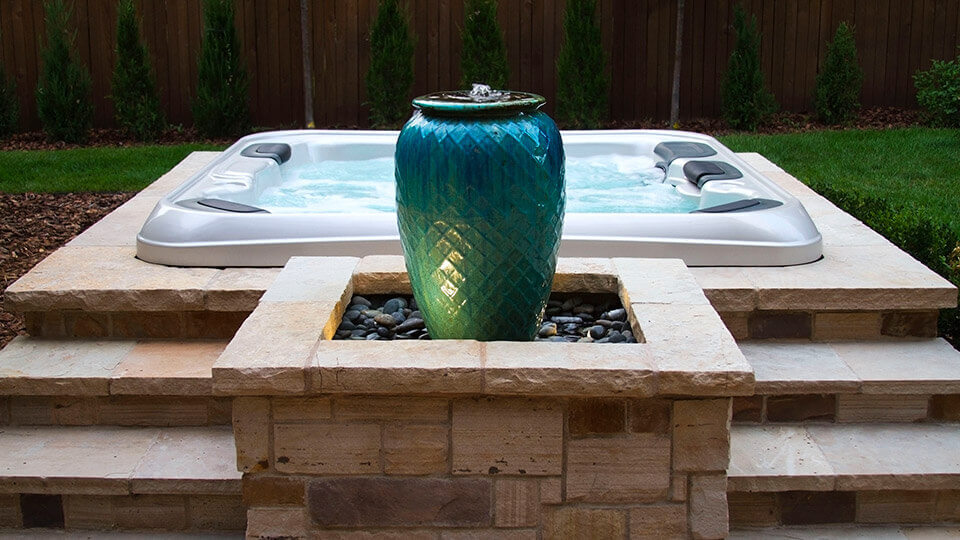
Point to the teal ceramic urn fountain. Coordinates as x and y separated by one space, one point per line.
480 201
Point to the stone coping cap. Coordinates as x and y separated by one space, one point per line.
97 271
109 460
285 346
854 367
41 367
843 457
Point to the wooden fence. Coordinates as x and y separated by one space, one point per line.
894 39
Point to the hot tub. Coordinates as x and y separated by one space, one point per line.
630 193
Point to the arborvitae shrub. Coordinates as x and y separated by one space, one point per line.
9 106
837 95
63 92
938 92
391 66
137 108
581 82
221 108
746 101
484 55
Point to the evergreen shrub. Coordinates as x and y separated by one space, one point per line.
582 84
746 101
391 66
837 94
136 106
63 92
220 108
938 92
483 58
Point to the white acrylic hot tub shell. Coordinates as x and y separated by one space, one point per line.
180 234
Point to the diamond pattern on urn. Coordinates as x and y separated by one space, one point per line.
480 208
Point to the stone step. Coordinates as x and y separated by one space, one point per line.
106 477
857 381
866 532
127 382
60 534
844 473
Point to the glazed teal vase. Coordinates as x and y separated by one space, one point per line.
480 202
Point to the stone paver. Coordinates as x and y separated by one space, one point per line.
776 458
237 289
108 460
844 457
657 281
31 366
910 367
167 368
189 460
312 279
798 368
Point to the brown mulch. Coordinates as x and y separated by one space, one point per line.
33 225
37 140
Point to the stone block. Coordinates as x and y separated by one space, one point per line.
167 368
403 502
391 409
382 274
516 502
594 416
815 507
313 279
846 325
635 468
729 289
47 324
927 366
585 274
31 410
708 517
217 512
271 523
948 506
657 281
945 407
507 435
318 449
736 323
251 428
797 463
562 369
188 460
148 324
43 367
801 408
489 534
296 409
791 367
10 511
70 411
154 411
650 416
881 408
263 490
910 324
747 409
380 534
897 506
88 512
4 411
678 487
701 435
565 522
168 512
551 491
213 324
658 521
237 289
87 325
779 325
753 509
41 511
220 411
413 449
398 367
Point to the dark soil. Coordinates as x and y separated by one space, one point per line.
33 225
37 140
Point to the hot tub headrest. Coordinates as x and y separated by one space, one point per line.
701 172
671 150
279 152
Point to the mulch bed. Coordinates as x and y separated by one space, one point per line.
33 225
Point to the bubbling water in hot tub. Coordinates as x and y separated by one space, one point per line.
595 184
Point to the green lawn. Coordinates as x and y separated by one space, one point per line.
916 167
89 169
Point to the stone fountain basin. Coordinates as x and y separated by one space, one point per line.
285 346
